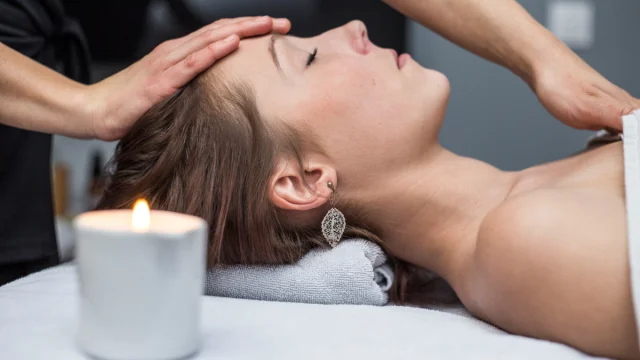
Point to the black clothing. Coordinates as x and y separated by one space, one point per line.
40 30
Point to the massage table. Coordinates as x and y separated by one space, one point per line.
38 316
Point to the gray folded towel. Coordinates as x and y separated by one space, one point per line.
354 272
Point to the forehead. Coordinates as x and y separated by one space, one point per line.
252 64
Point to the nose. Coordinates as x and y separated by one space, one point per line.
357 34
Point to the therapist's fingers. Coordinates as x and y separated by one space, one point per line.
280 25
219 23
184 71
613 103
632 104
228 21
246 28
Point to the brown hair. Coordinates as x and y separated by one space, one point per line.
206 151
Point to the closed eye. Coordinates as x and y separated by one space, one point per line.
312 56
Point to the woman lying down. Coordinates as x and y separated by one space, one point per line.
271 138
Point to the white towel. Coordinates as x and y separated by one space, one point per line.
354 272
631 125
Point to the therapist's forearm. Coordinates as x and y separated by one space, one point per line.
34 97
498 30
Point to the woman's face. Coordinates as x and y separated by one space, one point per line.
368 109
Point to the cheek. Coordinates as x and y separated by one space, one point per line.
328 101
351 94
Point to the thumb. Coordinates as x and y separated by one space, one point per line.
634 105
603 113
613 122
628 109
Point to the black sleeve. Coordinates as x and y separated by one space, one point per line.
40 30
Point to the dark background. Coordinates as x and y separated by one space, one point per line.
123 31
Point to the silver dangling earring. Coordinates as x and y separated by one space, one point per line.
334 223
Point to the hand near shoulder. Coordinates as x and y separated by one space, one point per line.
579 96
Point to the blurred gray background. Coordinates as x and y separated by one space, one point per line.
492 116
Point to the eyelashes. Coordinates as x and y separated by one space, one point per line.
312 56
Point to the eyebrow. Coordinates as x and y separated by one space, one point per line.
272 51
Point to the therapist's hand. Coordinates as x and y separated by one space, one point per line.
579 96
117 102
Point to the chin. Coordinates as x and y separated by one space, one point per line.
434 82
437 88
439 80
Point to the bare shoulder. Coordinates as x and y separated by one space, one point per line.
553 264
555 222
532 236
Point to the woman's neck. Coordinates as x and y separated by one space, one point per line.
429 213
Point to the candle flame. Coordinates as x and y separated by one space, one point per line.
141 217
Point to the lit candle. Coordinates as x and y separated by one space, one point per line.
141 216
141 277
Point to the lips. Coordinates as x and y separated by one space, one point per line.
400 60
403 60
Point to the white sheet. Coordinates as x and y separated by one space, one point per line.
632 192
38 317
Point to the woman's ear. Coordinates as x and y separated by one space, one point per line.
293 188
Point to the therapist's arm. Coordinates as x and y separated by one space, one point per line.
34 97
503 32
